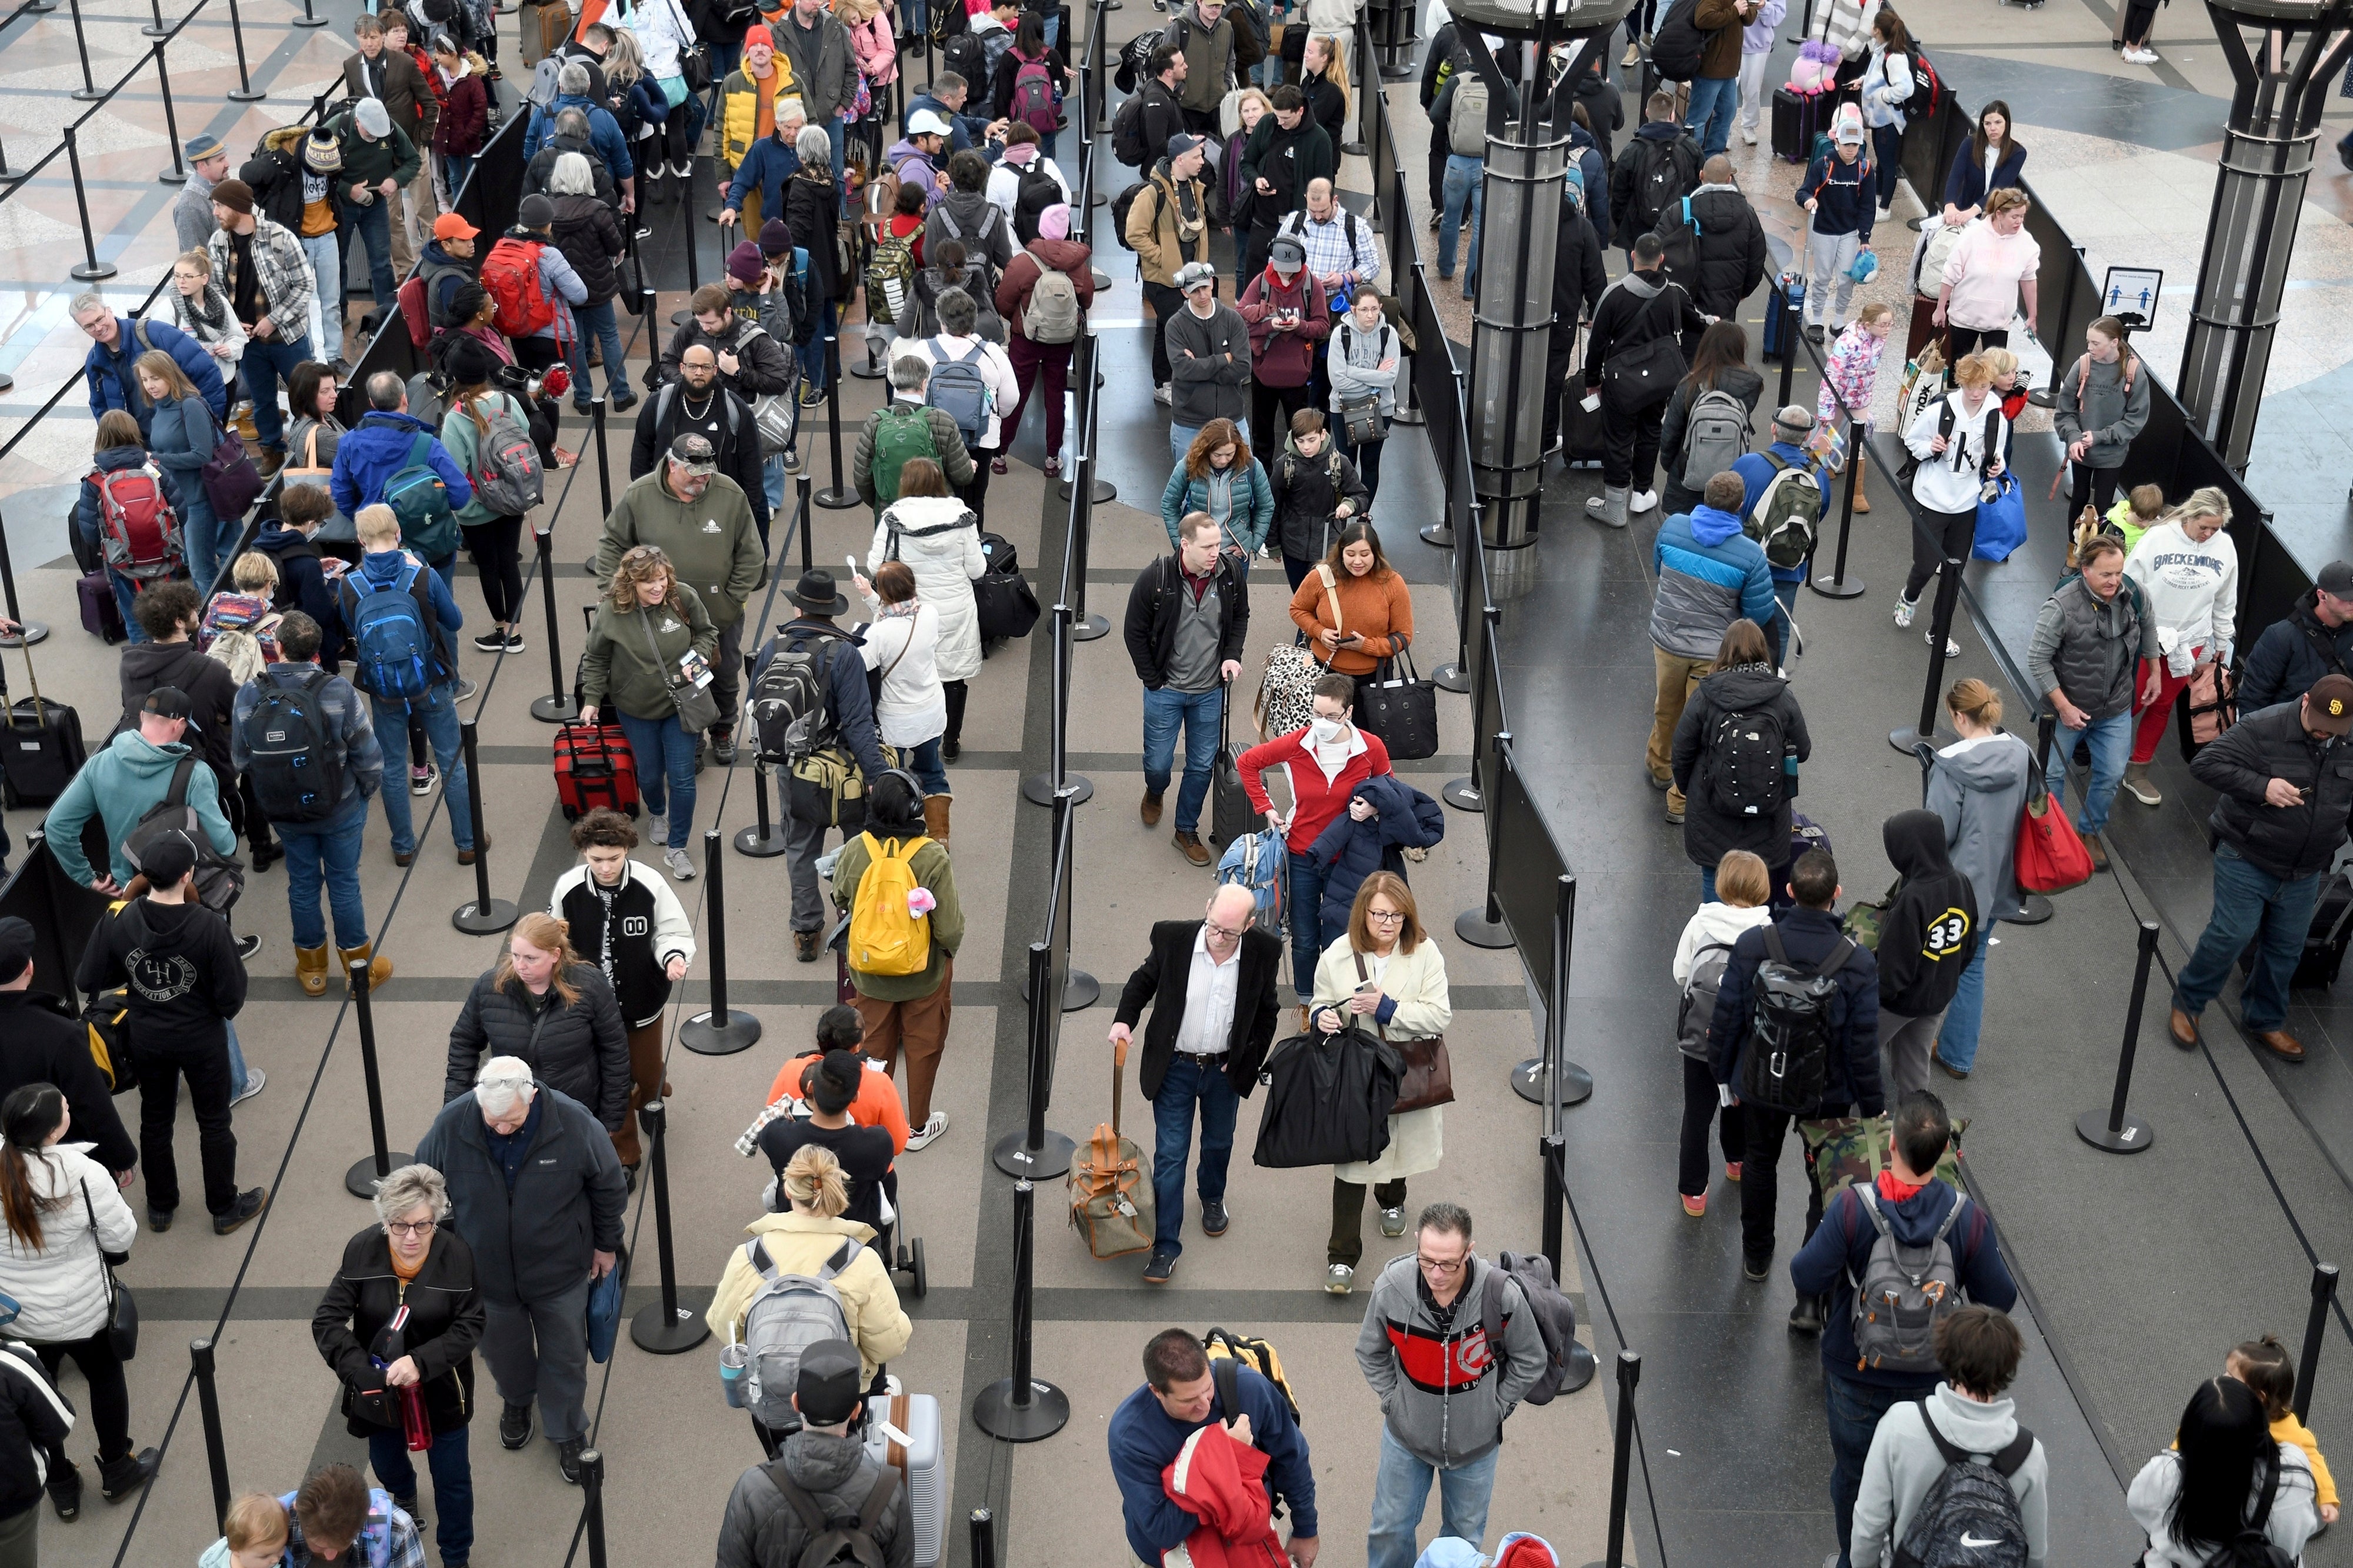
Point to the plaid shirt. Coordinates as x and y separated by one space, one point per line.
404 1549
1328 250
285 279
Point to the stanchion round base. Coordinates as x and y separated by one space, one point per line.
10 176
750 842
1473 927
1090 627
1355 149
1038 789
477 920
1462 794
706 1037
1907 739
1046 1411
88 272
1051 1158
656 1332
1451 676
34 631
361 1178
1080 990
87 94
1439 535
2133 1137
1835 588
249 95
7 382
1528 1082
1396 71
1104 494
2042 397
865 370
680 317
554 710
837 500
172 177
2037 909
310 21
1102 278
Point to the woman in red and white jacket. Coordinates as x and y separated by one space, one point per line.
1325 761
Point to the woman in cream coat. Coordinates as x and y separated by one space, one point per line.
937 535
1400 995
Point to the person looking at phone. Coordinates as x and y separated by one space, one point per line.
1355 607
2286 781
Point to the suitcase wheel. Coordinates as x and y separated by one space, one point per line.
910 1261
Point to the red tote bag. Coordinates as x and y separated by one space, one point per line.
2051 855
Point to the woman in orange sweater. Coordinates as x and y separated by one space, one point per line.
1355 608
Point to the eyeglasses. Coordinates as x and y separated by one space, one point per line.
1231 933
1385 917
406 1227
94 323
1435 1265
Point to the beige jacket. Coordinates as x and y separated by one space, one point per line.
801 1244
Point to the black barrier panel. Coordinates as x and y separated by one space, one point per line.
1527 872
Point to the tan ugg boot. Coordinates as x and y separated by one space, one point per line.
936 809
379 971
1861 501
311 968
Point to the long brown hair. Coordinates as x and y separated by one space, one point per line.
165 368
1980 144
548 934
1721 347
26 1119
1354 529
1744 643
640 565
1388 885
1217 433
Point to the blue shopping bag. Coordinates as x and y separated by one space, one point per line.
2002 521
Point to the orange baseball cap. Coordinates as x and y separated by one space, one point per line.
450 225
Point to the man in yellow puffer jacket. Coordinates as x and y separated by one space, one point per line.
749 99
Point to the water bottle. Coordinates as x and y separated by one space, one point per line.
1788 773
734 1361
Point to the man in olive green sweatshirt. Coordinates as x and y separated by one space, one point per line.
704 521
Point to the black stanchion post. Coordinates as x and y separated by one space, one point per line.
556 707
177 175
486 916
766 840
808 532
983 1538
1041 789
244 92
719 1032
200 1352
592 1508
309 18
2115 1129
1530 1081
685 313
2324 1294
2034 908
155 30
604 456
34 631
1022 1408
88 92
89 268
1621 1455
1932 696
1037 1151
664 1328
1085 627
1086 376
838 496
361 1178
1469 792
1839 586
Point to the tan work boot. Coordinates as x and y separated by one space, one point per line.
379 971
936 810
311 970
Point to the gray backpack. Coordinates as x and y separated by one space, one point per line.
1698 1004
1716 436
1903 1292
1970 1518
1466 122
789 1313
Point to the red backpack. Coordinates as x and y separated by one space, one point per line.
1033 95
511 275
137 525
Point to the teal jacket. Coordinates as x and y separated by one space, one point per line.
119 786
1253 506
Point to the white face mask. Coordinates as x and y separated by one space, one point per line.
1326 730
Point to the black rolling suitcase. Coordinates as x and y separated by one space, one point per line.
40 745
1231 816
1006 604
1797 119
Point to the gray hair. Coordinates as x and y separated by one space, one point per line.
947 82
385 391
572 121
794 108
503 1085
572 78
572 176
908 373
814 146
88 300
407 1187
958 312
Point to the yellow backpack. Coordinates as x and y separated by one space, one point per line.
885 936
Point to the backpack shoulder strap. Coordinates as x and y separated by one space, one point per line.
1773 947
812 1518
178 793
1952 1455
2006 1462
1225 1372
843 1256
1837 960
1952 1215
419 448
756 1253
884 1493
1869 1199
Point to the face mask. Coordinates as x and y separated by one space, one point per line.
1325 730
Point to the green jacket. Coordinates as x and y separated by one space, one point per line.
617 670
462 440
119 786
367 162
934 870
713 544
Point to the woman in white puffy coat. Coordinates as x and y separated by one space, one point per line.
63 1210
937 536
662 30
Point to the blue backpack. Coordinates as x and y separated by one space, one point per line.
391 628
429 524
1257 861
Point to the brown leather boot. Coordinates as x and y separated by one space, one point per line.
379 971
936 808
311 970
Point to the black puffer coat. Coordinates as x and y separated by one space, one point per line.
445 1323
585 231
2280 841
1306 492
580 1049
1729 254
1709 832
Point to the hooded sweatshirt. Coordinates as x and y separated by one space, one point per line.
302 583
1711 831
377 449
119 786
1835 1258
1711 573
1445 1392
1905 1462
1977 787
1930 931
1285 359
210 688
180 968
2188 587
712 542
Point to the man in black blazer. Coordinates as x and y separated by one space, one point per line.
1211 1023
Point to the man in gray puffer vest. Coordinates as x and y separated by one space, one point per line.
2089 637
820 1474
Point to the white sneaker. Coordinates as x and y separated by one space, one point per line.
1903 610
928 1133
1952 649
254 1079
1641 500
1339 1280
1748 135
658 829
681 869
1160 395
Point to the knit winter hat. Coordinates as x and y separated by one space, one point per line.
744 264
536 211
758 33
775 237
234 194
1054 223
322 154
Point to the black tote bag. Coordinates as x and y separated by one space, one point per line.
1328 1099
1401 710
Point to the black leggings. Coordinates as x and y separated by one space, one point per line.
2140 17
1966 340
1701 1104
957 692
496 547
109 1399
1937 536
2095 487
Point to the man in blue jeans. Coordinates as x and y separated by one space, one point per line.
1211 985
2286 781
1715 90
2091 637
378 162
1187 617
422 638
334 741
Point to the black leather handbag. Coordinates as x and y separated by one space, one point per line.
1401 710
122 1307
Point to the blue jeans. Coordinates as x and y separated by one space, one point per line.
1306 925
1957 1037
661 741
1715 101
200 532
1367 459
124 596
772 480
453 1484
1181 441
1853 1410
812 353
2249 905
1465 194
923 762
1401 1491
438 708
837 131
236 1059
1786 594
599 320
262 365
1190 1080
326 254
2111 740
1197 712
329 852
454 167
375 228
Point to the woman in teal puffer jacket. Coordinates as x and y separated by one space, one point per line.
1220 476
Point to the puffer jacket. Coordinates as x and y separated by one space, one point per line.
1979 788
58 1284
763 364
578 1046
1711 832
1307 492
799 1242
585 231
88 520
1253 505
2292 654
444 1325
1349 851
2282 841
1711 573
1728 253
2090 650
1285 359
1444 1391
761 1527
938 539
1930 930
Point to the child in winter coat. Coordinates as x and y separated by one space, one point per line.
1386 816
1927 935
1744 888
1851 378
2262 1365
1840 193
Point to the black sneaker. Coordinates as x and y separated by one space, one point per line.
1754 1266
250 1203
159 1220
567 1458
1806 1317
515 639
1214 1218
1163 1264
248 945
624 400
118 1479
491 641
514 1426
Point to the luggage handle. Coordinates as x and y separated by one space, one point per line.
40 709
1118 1072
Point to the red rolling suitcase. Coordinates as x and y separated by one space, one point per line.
593 767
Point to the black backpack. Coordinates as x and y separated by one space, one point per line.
2251 1547
1663 172
1970 1518
1127 132
1743 763
297 764
219 878
832 1539
1676 48
966 57
1787 1065
1032 197
1119 206
791 703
